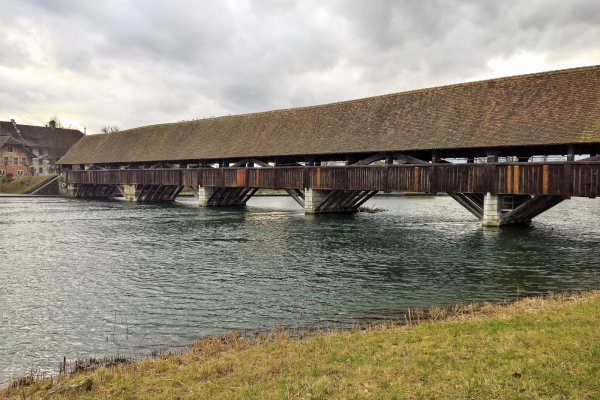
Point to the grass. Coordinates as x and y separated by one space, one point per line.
20 185
542 347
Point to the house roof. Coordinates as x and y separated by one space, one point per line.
57 142
9 140
558 107
4 140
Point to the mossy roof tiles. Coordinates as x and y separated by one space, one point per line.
55 141
557 107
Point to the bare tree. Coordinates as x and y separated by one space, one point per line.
58 123
109 129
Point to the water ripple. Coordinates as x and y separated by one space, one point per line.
92 278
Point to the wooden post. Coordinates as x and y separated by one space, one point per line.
516 179
545 180
566 182
433 181
492 156
416 179
571 153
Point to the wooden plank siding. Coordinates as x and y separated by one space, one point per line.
558 178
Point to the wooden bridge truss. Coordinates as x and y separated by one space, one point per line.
516 192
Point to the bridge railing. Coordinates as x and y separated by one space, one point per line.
560 178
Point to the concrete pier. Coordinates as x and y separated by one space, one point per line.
131 192
313 198
204 194
492 210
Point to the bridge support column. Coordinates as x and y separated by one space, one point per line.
131 192
313 199
204 194
492 210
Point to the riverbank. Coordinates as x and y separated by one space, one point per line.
545 346
20 185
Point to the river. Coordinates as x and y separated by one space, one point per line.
96 278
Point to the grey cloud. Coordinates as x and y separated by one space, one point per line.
139 62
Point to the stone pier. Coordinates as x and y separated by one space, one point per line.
131 192
492 210
313 198
204 194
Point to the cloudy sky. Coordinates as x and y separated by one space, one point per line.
132 63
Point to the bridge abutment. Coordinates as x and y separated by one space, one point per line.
67 189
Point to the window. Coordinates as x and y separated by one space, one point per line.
2 172
41 170
16 160
5 160
20 172
24 161
10 149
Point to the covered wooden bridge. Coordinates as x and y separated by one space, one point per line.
488 144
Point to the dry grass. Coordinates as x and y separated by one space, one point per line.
543 347
20 185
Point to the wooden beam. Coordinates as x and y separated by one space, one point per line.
213 199
530 209
261 163
249 195
372 159
571 153
592 158
365 198
295 196
240 163
195 192
407 159
469 202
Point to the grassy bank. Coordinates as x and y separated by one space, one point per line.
20 185
546 347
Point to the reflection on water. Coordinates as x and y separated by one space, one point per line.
81 278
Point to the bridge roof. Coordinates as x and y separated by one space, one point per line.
558 107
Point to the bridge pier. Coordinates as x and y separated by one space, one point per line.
130 192
313 198
499 210
492 210
204 194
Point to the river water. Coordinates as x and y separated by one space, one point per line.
85 278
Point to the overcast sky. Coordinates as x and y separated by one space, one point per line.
133 63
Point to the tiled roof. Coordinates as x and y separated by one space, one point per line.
11 140
57 142
559 107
